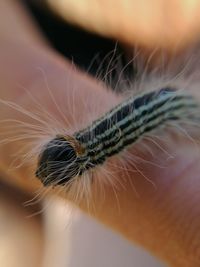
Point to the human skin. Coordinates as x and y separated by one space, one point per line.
20 237
168 24
166 219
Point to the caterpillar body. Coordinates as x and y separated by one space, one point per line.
112 133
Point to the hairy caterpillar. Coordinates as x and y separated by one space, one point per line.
66 157
50 116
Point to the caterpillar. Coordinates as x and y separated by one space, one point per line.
112 133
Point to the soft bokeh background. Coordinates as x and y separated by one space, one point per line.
61 237
84 242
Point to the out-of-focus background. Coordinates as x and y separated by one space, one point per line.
81 242
60 237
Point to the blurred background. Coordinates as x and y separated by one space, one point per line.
60 235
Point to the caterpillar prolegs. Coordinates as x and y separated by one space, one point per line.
112 133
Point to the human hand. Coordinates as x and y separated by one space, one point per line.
165 218
171 24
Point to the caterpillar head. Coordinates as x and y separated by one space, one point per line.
60 161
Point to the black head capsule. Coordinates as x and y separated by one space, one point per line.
59 161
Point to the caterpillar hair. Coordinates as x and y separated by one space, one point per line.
107 136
